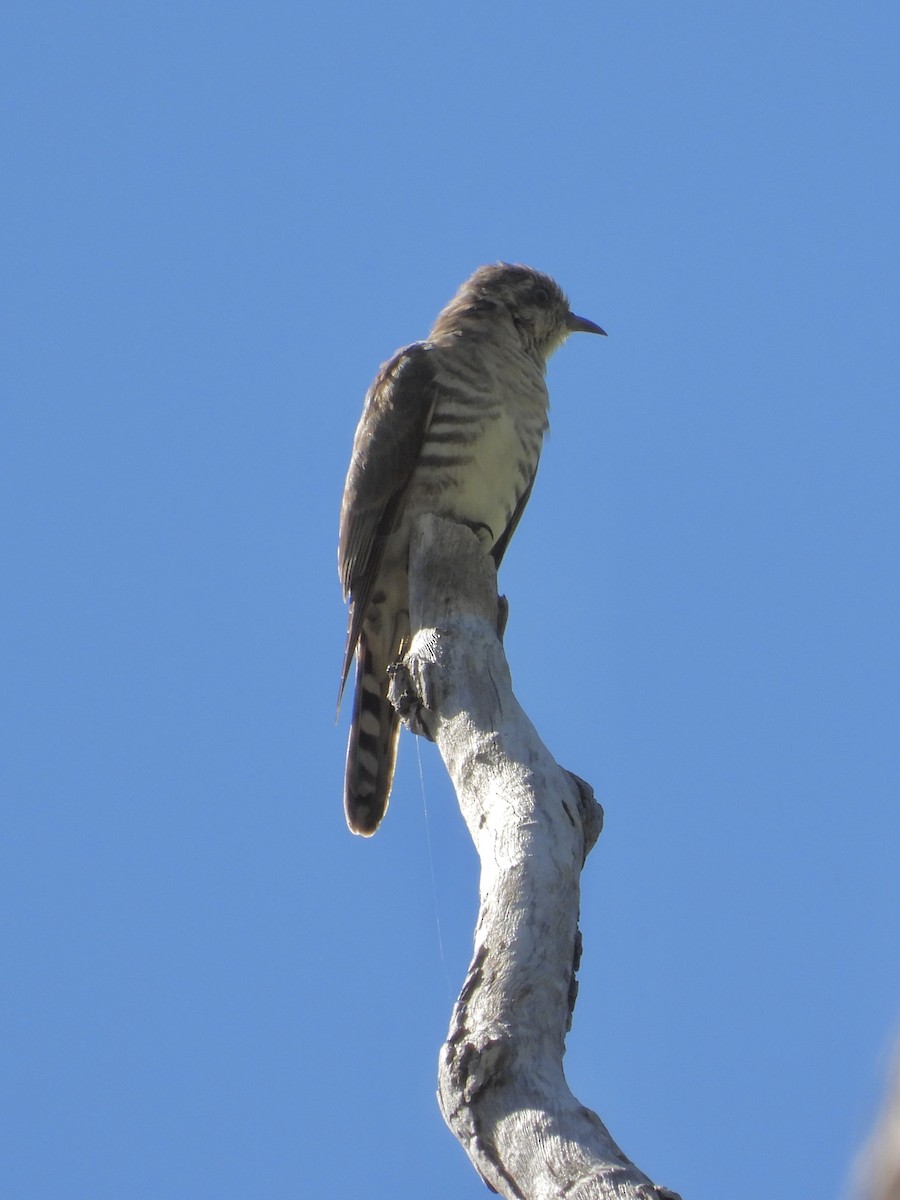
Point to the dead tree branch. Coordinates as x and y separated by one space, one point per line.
501 1084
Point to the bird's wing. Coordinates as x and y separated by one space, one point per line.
386 448
503 540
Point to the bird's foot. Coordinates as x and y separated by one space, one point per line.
402 693
483 532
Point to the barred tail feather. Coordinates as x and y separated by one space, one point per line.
371 749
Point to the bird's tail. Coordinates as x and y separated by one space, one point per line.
372 747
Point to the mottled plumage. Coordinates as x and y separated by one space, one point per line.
453 426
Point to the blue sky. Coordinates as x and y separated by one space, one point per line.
217 221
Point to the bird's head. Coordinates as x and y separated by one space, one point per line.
520 298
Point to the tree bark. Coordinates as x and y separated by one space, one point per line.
501 1088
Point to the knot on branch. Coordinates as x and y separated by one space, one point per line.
590 810
479 1067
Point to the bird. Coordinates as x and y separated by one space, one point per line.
452 425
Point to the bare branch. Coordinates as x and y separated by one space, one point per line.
501 1084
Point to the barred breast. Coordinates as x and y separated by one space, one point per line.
482 446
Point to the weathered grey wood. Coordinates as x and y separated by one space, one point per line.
501 1084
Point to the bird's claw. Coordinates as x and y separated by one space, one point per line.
405 700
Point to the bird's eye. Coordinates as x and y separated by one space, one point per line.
541 296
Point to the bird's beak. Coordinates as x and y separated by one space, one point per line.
582 325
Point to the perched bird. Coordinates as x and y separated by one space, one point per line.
451 426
